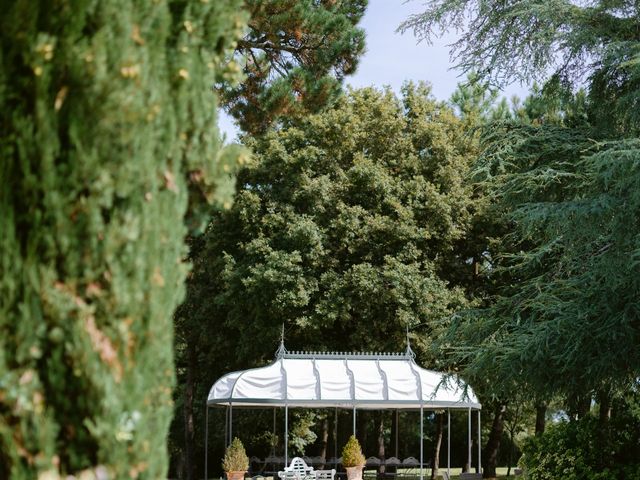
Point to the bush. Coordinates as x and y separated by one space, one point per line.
235 458
352 453
583 450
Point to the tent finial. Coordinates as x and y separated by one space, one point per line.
282 350
409 353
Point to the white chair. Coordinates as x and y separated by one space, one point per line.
325 474
288 475
297 470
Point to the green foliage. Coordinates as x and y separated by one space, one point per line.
527 40
522 40
108 143
342 225
576 450
295 55
474 101
352 453
301 433
345 224
564 188
561 314
568 324
235 458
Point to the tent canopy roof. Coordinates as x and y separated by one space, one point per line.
345 380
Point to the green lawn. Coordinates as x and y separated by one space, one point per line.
455 472
414 474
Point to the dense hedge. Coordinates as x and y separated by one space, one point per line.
585 450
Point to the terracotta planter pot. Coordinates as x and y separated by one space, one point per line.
238 475
354 473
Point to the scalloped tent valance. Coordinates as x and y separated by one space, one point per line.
345 380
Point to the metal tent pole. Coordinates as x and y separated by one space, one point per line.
397 429
273 440
469 441
230 423
226 426
479 444
286 435
354 420
206 442
421 440
335 438
449 443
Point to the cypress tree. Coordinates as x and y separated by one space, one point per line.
108 142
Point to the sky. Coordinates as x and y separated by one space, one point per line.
392 58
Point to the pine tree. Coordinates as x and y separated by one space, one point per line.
108 140
295 55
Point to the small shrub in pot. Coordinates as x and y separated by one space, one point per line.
235 462
353 459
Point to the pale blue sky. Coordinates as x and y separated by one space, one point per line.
392 58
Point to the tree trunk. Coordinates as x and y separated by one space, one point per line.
511 448
381 452
541 418
189 430
493 444
324 440
604 399
435 459
584 406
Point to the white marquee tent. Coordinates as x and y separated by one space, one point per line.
343 380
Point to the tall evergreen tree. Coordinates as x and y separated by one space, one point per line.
108 137
564 195
294 55
566 184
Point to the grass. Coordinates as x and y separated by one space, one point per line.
414 473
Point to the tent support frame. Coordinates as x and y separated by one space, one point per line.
229 429
383 403
206 441
469 442
421 442
286 435
449 443
479 444
335 438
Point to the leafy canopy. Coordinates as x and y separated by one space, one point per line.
342 225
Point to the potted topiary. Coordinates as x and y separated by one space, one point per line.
235 462
353 459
